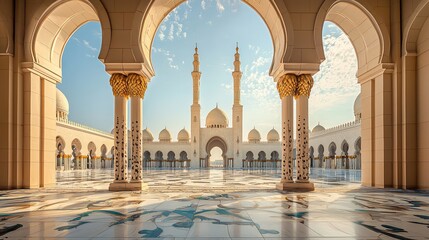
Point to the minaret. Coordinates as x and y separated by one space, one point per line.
237 111
195 113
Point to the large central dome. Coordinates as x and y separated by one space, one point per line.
216 119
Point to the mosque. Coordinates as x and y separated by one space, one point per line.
82 147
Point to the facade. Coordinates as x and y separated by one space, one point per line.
390 40
79 146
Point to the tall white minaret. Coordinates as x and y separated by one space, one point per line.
237 110
195 113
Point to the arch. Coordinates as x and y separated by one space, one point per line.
366 31
262 155
159 155
76 146
146 156
274 155
358 145
249 155
332 149
60 144
171 156
413 27
183 155
103 150
311 151
345 147
321 149
216 142
52 25
92 148
150 14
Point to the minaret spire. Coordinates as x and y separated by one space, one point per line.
196 59
237 62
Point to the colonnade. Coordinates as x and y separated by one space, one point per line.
131 86
292 86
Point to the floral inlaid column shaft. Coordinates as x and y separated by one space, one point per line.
305 83
120 91
286 87
137 85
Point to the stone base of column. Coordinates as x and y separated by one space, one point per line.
295 186
128 186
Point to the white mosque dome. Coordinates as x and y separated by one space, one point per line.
164 135
147 135
216 119
183 136
357 108
318 128
62 102
273 136
254 135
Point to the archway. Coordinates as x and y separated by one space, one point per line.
365 26
274 13
219 143
321 155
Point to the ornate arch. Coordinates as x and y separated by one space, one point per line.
150 14
366 30
413 27
52 25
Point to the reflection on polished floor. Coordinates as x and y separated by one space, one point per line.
213 204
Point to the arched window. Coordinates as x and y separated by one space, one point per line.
262 155
183 156
171 156
158 155
249 155
274 155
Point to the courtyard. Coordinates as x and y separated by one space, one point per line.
213 204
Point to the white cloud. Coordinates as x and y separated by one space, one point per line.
86 44
336 79
220 7
169 57
260 61
203 4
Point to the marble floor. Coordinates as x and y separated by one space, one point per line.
213 204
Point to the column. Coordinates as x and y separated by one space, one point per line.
137 85
305 83
120 91
286 87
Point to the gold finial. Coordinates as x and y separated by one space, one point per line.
196 47
236 48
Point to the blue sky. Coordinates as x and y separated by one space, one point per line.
216 26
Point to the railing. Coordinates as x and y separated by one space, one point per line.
75 124
338 128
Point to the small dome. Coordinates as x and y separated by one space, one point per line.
147 135
254 135
164 135
318 128
216 119
183 136
357 108
273 136
62 102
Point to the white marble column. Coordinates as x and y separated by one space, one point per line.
286 86
120 91
136 138
137 85
305 83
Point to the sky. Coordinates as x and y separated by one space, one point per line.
216 25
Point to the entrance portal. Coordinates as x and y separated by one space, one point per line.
215 146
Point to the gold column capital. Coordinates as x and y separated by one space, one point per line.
118 82
137 85
305 83
287 85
